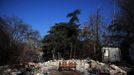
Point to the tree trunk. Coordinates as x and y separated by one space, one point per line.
71 50
53 52
74 51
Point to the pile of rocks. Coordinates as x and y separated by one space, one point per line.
85 67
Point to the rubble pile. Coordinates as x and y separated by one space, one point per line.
85 67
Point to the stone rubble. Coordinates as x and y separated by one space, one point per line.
85 67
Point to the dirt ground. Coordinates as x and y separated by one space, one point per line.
65 73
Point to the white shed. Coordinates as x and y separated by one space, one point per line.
110 54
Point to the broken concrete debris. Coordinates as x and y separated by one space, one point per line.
85 67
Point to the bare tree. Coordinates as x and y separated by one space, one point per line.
14 38
92 31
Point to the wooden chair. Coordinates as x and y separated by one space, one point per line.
67 65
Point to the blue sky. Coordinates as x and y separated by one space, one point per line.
42 14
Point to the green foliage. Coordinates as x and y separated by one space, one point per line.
73 16
56 39
62 38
